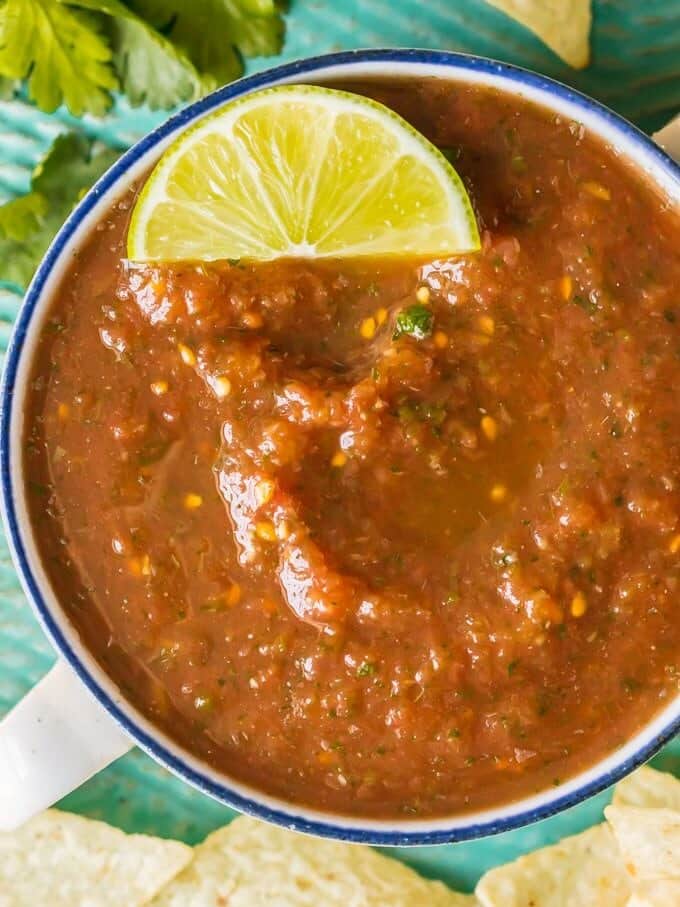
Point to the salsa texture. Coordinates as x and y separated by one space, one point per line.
393 538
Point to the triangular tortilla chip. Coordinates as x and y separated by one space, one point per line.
58 859
649 840
564 25
584 870
252 864
647 787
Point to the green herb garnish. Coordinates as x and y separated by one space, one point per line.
452 153
584 303
414 321
78 52
414 410
27 224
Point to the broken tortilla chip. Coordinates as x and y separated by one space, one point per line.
648 787
649 840
584 870
63 860
252 864
564 25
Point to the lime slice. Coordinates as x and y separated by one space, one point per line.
301 171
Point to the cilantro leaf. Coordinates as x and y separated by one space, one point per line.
69 168
62 53
415 321
161 52
215 33
20 217
28 223
152 70
19 260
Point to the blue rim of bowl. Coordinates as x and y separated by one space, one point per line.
222 792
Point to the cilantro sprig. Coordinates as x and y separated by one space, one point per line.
28 223
159 52
414 321
62 53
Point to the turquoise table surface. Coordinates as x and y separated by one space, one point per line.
635 69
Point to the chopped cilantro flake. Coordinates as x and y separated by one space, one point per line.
414 321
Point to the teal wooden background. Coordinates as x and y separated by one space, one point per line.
635 70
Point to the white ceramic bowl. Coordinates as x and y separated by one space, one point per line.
60 734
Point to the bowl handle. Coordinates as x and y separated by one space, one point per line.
56 738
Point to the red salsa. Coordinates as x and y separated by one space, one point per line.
391 538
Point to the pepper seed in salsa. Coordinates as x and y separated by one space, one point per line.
390 537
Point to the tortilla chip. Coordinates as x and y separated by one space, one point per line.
655 894
584 870
649 840
252 864
63 860
564 25
647 787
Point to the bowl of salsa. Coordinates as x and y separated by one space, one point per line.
384 549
